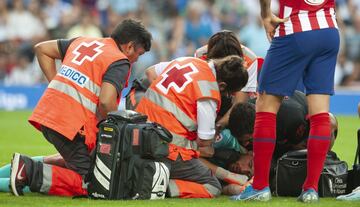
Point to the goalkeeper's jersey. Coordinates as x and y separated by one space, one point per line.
227 141
227 149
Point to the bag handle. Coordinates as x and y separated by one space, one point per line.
303 154
297 153
162 132
357 154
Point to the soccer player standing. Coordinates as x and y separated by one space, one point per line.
304 43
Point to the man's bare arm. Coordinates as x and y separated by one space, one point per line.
265 8
270 21
46 53
107 100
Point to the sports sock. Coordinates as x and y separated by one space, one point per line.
5 185
230 177
264 144
318 146
5 170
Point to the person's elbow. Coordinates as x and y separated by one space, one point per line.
206 151
106 106
48 48
150 74
38 47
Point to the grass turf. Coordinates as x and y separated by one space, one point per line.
16 135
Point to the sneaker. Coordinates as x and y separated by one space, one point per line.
20 169
353 196
251 194
308 196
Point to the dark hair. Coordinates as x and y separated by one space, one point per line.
223 44
242 119
131 30
231 71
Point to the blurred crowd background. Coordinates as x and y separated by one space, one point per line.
178 28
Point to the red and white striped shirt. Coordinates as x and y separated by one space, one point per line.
306 15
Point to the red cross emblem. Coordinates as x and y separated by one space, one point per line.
177 77
87 51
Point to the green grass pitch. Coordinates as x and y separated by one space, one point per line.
16 135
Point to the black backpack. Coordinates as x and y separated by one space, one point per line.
125 164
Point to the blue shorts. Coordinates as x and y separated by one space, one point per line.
310 56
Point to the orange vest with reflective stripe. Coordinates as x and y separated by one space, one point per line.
250 58
171 100
70 102
249 55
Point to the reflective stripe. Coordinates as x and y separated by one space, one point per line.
90 85
212 67
105 170
171 107
173 189
183 142
47 178
101 179
93 87
247 52
206 87
73 93
212 190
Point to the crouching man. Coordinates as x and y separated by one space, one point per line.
185 99
87 87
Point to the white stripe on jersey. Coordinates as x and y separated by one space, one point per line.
288 24
277 32
253 74
320 16
333 17
304 20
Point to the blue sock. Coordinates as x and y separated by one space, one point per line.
5 170
5 185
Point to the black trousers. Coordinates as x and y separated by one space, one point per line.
74 152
